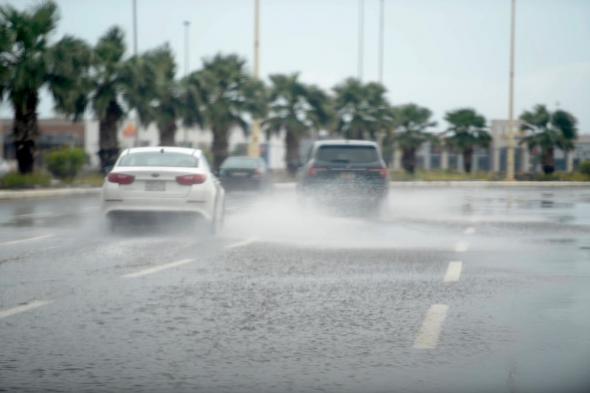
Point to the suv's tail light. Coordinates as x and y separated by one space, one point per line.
120 178
313 170
382 171
189 180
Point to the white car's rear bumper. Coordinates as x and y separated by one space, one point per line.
200 208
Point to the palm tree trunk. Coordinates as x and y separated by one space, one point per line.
467 159
108 142
292 158
409 159
168 134
219 147
548 160
25 132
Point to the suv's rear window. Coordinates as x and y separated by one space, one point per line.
347 154
156 158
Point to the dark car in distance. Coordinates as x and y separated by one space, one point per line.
244 173
345 171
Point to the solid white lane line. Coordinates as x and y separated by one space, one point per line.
461 246
240 244
453 271
40 214
430 331
30 239
22 308
469 231
159 268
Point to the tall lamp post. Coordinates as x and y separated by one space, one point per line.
187 25
361 38
134 115
255 135
381 37
511 142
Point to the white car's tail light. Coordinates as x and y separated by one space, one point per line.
120 178
189 180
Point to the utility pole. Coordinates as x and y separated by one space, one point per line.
136 141
511 143
187 25
254 145
361 38
381 38
135 27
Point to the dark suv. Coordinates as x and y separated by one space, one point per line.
345 170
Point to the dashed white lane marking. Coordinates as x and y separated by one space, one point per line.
30 239
430 331
453 271
469 231
40 214
240 244
159 268
461 246
22 308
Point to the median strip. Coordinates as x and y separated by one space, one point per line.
157 269
453 271
23 308
430 331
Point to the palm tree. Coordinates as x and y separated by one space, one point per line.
548 131
154 93
28 63
225 96
362 110
110 80
467 130
411 123
295 108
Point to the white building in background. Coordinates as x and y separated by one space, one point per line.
193 136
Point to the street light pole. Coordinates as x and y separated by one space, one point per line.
136 140
187 25
511 143
135 27
361 38
381 38
255 136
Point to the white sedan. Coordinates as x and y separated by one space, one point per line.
148 180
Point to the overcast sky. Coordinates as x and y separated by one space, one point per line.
440 54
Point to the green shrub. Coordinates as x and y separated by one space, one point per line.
585 168
15 180
65 164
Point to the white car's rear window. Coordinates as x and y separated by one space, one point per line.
166 159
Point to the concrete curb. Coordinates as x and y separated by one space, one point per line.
467 184
48 193
491 184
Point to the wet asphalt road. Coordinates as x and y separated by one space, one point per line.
458 290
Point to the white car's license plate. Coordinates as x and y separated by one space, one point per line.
347 176
155 186
239 174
